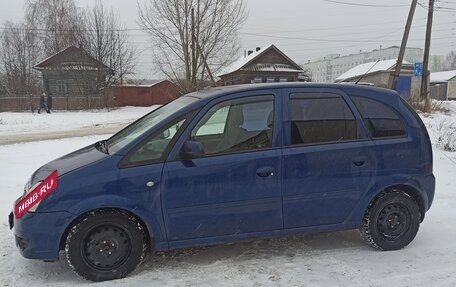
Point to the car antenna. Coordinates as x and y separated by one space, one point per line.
367 72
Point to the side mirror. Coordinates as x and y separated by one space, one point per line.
192 149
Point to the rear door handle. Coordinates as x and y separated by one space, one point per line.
359 161
265 172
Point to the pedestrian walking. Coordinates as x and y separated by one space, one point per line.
42 104
49 103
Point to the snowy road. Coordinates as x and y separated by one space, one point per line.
326 259
27 127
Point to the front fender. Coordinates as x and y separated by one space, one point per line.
151 219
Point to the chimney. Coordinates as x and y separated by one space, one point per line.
257 49
249 52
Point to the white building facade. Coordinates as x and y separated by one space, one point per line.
326 70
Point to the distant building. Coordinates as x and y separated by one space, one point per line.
74 79
326 70
436 63
264 65
443 85
158 93
378 73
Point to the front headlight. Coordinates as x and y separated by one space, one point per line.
29 188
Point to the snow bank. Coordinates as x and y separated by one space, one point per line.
14 123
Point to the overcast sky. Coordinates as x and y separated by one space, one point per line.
307 29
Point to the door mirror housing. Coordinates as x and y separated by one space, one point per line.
192 149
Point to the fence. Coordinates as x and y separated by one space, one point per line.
31 103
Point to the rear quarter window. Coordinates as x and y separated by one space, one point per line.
380 119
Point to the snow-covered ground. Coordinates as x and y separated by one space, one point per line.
326 259
15 123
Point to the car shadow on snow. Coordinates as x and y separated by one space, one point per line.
318 243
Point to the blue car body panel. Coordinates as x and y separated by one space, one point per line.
221 198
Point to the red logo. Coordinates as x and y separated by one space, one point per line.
40 192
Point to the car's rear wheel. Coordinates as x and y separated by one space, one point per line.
391 221
105 245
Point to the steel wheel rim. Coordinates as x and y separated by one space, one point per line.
106 247
394 221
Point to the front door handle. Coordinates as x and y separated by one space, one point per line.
265 172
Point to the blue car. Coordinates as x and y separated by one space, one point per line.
234 163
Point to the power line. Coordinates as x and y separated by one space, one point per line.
145 30
364 5
72 30
65 31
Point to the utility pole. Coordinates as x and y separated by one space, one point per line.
425 77
392 83
206 65
193 62
120 58
196 45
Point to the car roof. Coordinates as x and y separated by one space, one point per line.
360 90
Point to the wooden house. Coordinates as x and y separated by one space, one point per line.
264 65
74 79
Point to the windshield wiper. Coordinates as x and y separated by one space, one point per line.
102 146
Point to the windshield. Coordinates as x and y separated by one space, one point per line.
130 133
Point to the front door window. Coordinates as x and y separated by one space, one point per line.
236 126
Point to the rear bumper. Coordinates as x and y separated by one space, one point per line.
38 235
429 187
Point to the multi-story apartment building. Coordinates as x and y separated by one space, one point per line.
327 69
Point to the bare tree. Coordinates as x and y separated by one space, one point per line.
59 23
193 39
450 61
108 42
18 54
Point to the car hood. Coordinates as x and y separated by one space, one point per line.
69 162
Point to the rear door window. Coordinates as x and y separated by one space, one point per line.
320 118
381 120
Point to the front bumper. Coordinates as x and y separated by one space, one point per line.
38 235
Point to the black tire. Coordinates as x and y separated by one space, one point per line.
105 245
391 221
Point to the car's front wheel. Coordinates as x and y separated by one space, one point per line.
105 245
391 221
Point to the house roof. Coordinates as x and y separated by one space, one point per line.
148 84
439 77
369 68
244 62
70 56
